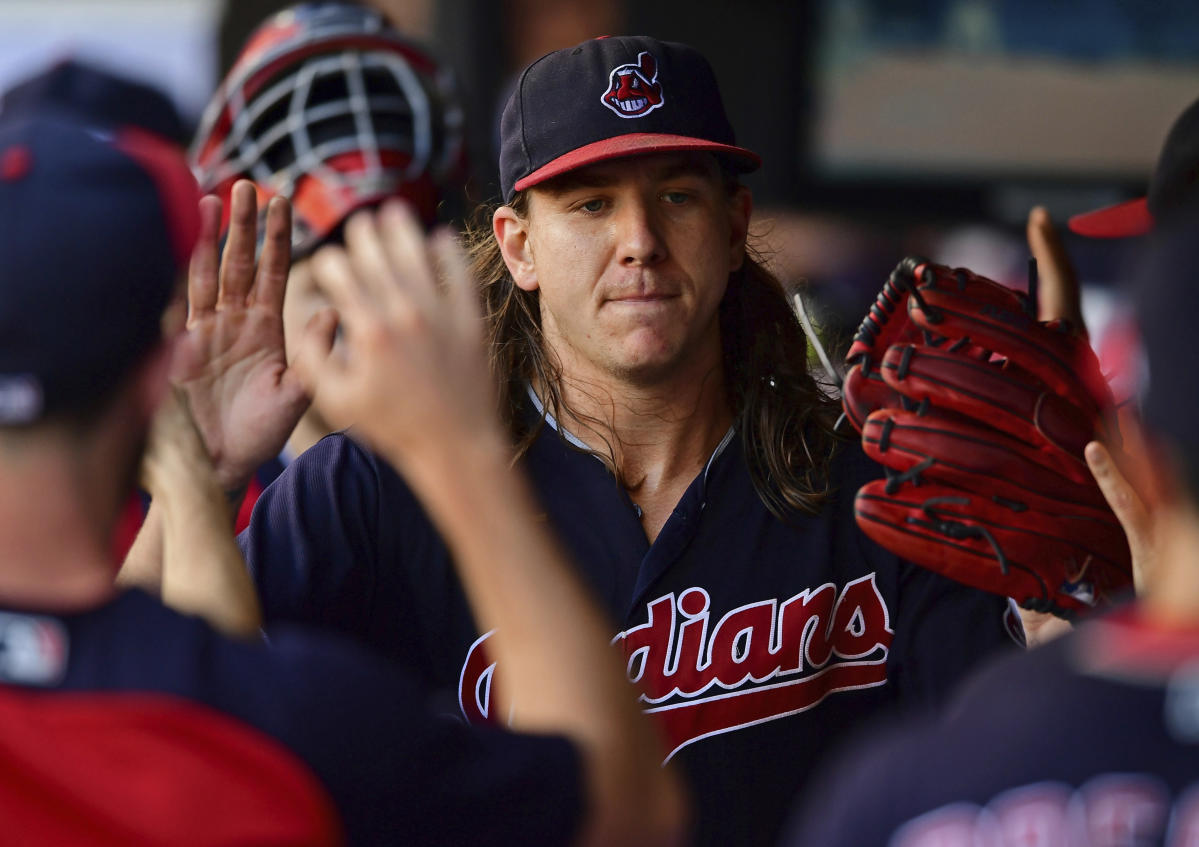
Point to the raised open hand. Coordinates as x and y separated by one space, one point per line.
231 361
413 376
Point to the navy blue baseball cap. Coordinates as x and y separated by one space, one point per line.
100 216
609 98
1174 183
1165 282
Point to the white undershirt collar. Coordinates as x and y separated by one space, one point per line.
574 440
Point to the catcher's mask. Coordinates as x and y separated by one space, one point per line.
329 106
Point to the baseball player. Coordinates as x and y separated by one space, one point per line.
1171 194
654 382
1094 739
125 722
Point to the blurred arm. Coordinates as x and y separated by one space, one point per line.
415 381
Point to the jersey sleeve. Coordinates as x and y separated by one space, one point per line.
312 541
401 774
945 631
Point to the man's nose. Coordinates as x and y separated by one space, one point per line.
640 242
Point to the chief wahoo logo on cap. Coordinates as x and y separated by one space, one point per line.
634 90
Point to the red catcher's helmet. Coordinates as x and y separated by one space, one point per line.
329 106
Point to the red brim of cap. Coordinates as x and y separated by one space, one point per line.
636 144
1122 220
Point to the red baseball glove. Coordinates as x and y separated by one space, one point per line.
979 414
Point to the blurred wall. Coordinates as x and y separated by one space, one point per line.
169 43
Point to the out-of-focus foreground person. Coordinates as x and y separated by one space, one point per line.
126 722
1093 739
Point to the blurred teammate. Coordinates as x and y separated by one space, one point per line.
125 722
1171 188
1094 739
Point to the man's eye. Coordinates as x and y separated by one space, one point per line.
593 206
675 198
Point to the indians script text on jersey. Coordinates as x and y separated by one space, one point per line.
759 662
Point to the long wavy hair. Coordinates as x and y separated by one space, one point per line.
783 417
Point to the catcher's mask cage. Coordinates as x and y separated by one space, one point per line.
330 107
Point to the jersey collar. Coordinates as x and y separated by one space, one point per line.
575 441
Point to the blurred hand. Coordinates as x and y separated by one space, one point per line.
231 362
1121 472
1125 477
413 375
1059 296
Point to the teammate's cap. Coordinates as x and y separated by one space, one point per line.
608 98
99 217
1167 313
331 107
1175 179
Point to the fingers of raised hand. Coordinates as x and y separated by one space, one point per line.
393 266
338 278
1126 504
398 267
408 249
385 282
237 263
1117 490
460 290
1059 295
275 262
314 364
202 273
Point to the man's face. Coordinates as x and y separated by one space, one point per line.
631 258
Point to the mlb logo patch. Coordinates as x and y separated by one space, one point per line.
33 649
634 90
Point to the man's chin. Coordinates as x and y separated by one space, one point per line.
650 367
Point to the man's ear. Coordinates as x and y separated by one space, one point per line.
741 209
512 234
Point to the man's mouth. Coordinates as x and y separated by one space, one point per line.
642 297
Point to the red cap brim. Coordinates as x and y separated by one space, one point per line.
635 144
1119 221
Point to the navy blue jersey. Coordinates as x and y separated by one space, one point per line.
757 644
395 772
1090 741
